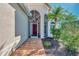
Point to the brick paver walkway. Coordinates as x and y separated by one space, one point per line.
32 47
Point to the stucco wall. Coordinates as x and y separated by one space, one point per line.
21 24
42 9
7 28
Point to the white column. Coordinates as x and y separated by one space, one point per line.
49 34
42 26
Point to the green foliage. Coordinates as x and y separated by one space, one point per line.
61 14
70 35
47 44
57 12
70 17
56 33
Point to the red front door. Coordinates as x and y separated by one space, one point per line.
34 29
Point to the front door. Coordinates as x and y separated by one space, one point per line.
34 29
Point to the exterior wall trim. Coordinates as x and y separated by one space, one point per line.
23 8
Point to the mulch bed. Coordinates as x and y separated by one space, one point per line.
56 48
54 43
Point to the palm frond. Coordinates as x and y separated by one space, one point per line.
61 14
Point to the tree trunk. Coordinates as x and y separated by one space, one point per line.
56 26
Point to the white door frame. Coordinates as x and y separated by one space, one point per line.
31 29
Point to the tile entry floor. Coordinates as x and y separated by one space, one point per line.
32 47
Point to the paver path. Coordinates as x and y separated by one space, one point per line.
32 47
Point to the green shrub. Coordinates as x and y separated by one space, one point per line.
70 36
56 33
47 44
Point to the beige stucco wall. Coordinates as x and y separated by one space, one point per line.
21 24
7 28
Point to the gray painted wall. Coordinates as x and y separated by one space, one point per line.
21 24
